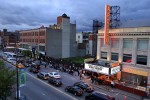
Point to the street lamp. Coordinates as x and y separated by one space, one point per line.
17 74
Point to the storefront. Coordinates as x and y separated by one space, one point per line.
134 77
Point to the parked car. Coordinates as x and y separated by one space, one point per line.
37 62
26 64
84 86
22 97
36 66
43 75
74 90
29 61
54 75
96 95
34 70
12 60
55 81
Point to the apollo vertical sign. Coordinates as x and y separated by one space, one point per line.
107 22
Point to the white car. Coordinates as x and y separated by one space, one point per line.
54 75
12 60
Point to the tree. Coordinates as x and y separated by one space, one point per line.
7 80
27 53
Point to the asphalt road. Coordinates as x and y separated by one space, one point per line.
37 89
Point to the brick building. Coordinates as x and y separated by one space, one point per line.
56 41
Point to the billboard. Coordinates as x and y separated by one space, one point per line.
107 22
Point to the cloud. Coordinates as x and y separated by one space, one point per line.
18 14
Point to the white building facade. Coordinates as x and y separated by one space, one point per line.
130 47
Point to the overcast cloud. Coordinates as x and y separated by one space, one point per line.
27 14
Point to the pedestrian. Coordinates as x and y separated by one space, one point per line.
45 65
92 78
78 72
80 76
112 84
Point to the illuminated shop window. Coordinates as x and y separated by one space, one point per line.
141 59
127 58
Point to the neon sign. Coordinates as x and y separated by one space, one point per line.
107 22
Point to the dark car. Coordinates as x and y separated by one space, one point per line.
29 61
22 97
36 66
96 95
84 86
74 90
43 75
55 81
34 70
26 65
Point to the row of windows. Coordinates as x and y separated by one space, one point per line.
142 44
33 34
126 58
32 40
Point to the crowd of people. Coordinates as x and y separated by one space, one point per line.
75 70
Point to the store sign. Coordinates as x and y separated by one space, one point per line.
115 70
96 68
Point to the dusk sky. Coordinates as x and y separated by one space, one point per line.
28 14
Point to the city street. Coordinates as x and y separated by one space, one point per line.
37 89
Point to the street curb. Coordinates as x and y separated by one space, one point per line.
116 92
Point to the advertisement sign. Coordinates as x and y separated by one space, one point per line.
115 70
22 77
107 22
97 68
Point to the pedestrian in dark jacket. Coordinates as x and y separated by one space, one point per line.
80 76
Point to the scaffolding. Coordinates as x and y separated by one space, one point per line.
114 16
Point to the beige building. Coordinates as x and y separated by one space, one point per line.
131 47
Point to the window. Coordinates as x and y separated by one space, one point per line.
127 43
102 43
114 56
141 59
104 55
42 48
115 43
127 58
78 37
142 44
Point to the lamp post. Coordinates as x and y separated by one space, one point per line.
17 92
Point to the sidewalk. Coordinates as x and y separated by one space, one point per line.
109 89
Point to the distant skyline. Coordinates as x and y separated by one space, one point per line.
28 14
